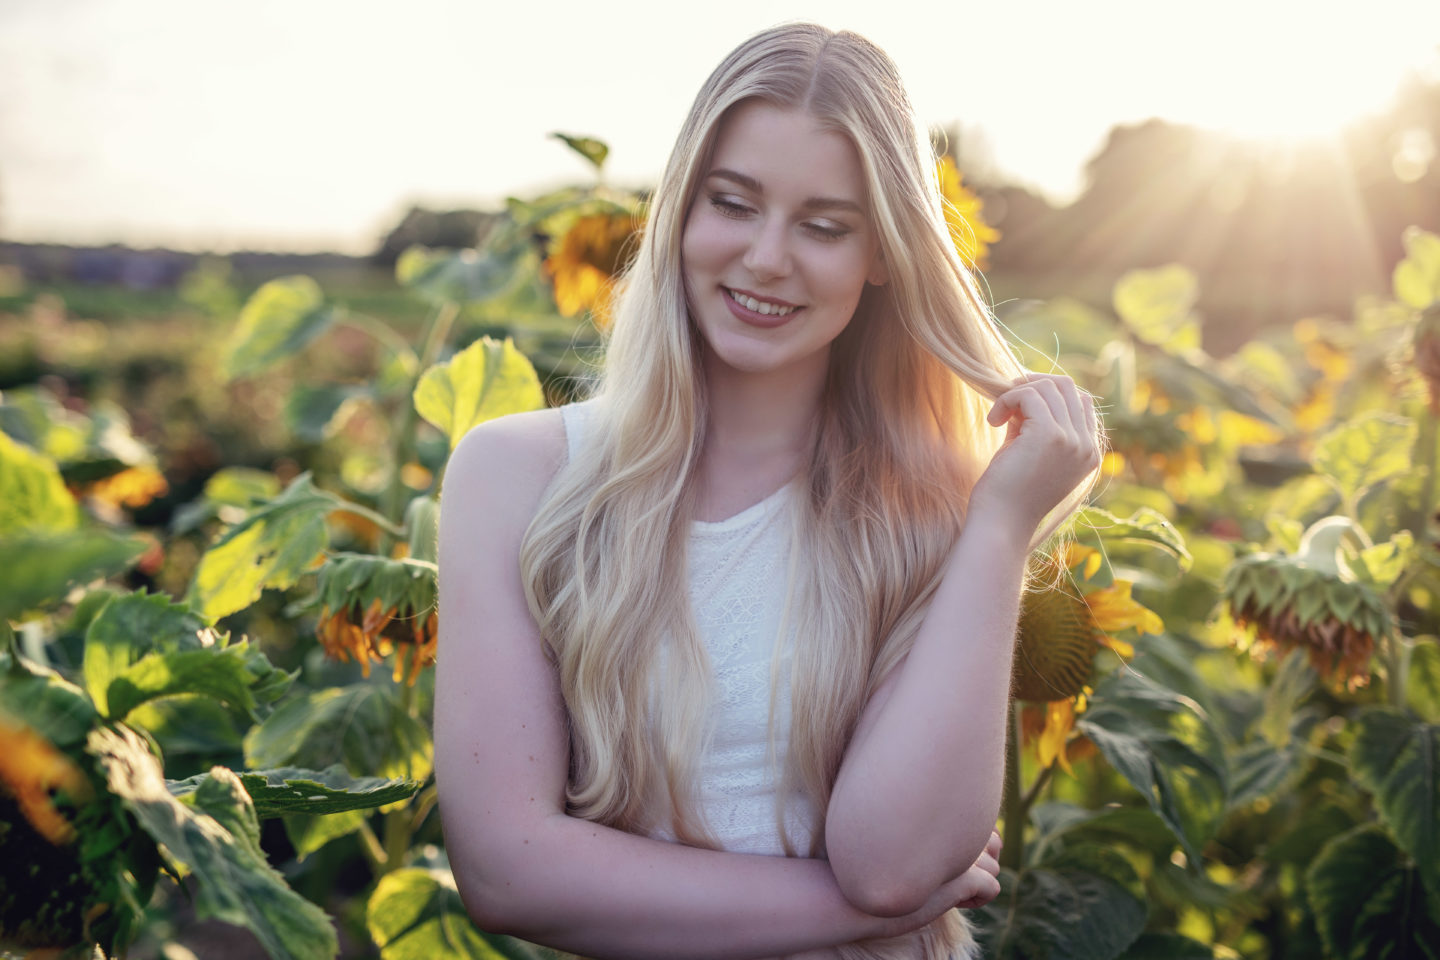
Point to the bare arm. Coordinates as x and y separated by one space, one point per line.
937 723
522 865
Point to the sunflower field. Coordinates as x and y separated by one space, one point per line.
218 641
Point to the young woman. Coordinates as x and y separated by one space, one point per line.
726 648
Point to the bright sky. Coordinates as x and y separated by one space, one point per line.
313 124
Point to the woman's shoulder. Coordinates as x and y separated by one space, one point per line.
506 461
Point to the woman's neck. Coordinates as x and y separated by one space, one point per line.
759 433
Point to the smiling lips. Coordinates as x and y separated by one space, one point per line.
757 311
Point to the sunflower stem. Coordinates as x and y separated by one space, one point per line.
391 506
1012 852
380 330
348 506
371 848
397 839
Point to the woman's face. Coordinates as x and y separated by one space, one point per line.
777 246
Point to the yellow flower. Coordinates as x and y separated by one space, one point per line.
1115 610
33 771
584 264
134 487
399 593
971 234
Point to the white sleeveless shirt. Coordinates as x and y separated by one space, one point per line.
738 571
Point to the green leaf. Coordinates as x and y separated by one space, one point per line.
457 276
218 840
588 147
45 701
417 914
1133 539
1422 688
277 321
33 497
53 563
241 486
1294 680
1369 902
271 547
1417 277
308 833
1157 304
296 790
1381 565
422 527
362 726
1365 451
1166 747
1260 769
1062 824
189 725
487 379
128 628
311 411
221 673
1398 760
1166 946
1078 907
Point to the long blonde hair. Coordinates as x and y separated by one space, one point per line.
900 441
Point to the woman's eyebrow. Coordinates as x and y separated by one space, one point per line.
811 203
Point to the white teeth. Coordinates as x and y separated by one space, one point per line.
760 306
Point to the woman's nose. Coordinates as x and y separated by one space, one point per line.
769 253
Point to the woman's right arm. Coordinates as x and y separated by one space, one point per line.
522 865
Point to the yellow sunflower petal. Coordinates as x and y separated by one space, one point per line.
1059 721
1114 610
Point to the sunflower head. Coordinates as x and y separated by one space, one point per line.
373 606
583 265
969 231
1289 603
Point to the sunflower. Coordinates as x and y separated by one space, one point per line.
1311 601
372 607
34 772
133 487
1064 621
968 229
584 264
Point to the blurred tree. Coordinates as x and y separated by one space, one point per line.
452 229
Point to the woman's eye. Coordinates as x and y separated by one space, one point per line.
827 231
728 207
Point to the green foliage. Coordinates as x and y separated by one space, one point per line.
1369 901
1417 277
363 726
416 914
588 147
293 790
487 379
1361 453
33 497
56 562
1423 690
1137 539
1079 906
1398 760
218 840
1165 746
457 276
1157 305
277 321
271 547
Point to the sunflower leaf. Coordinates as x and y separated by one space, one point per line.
271 547
1365 451
218 840
588 147
1417 277
1368 900
487 379
416 914
361 726
1157 306
49 564
1398 760
1166 747
277 321
296 790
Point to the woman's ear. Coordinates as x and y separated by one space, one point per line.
879 273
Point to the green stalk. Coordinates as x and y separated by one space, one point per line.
404 428
1014 809
397 839
382 332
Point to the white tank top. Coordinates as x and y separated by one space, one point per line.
738 570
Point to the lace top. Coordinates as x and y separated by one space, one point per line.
737 570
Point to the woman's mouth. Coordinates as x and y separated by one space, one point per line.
753 310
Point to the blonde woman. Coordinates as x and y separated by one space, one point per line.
726 649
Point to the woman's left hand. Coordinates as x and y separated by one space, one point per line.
1051 445
983 878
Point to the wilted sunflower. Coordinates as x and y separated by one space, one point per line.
1310 600
584 264
968 229
374 606
1064 620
